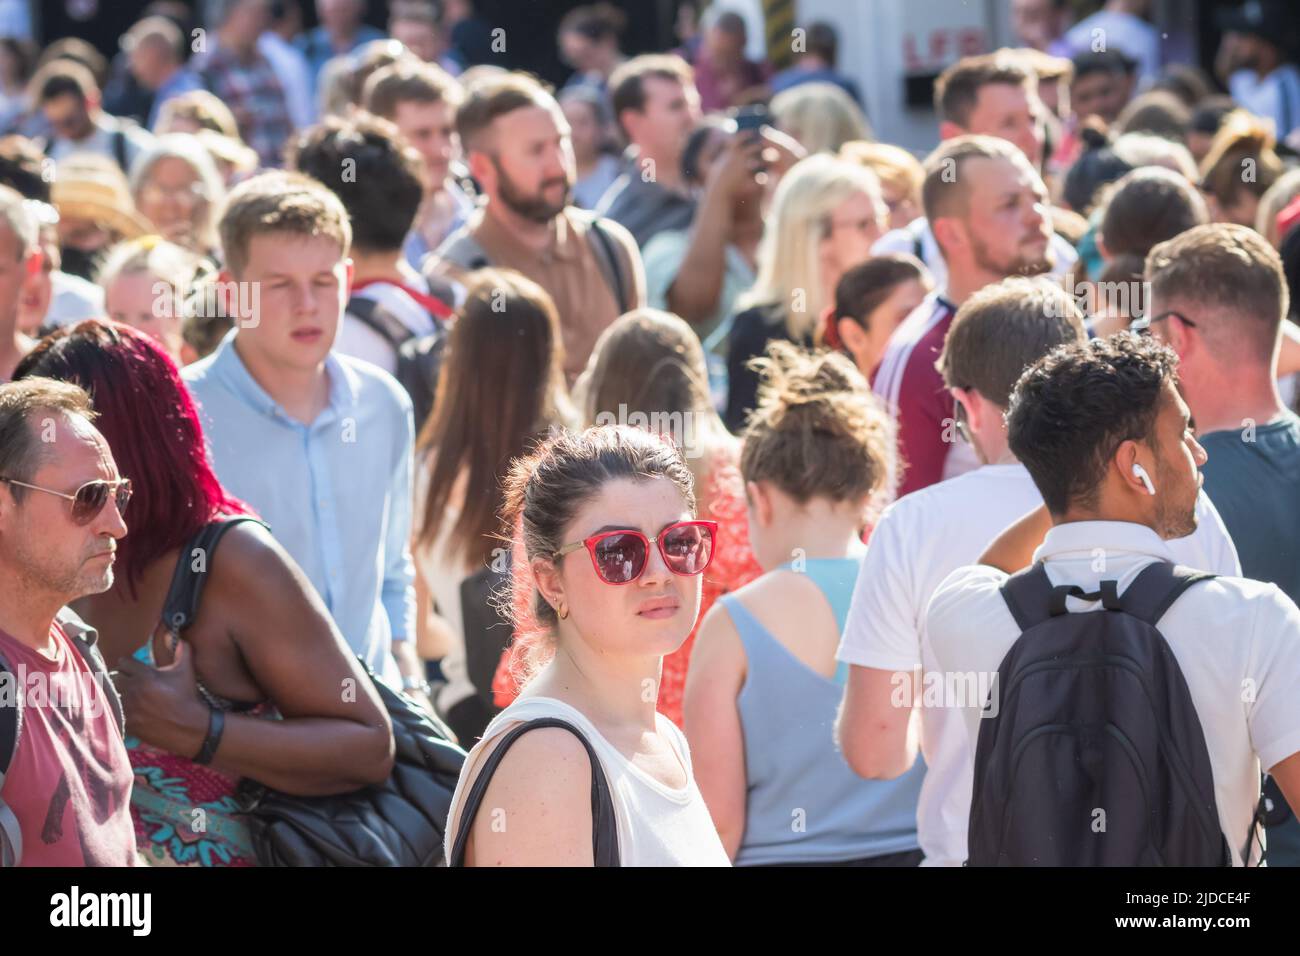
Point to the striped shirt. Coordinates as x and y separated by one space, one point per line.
914 392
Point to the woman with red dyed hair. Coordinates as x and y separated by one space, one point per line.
261 644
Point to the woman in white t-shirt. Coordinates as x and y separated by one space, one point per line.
608 564
507 331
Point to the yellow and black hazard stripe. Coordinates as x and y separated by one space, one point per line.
778 22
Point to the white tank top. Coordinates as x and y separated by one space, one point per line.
657 826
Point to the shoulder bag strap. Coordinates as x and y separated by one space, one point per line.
603 825
186 589
612 264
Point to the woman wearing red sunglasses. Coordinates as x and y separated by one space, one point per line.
613 557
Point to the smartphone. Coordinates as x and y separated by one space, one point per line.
751 118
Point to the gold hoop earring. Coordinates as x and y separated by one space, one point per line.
563 612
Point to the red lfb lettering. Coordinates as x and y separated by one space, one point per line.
970 41
938 45
912 61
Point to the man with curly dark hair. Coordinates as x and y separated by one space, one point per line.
1108 441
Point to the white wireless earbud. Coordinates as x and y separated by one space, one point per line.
1141 473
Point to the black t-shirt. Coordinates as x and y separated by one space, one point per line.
751 331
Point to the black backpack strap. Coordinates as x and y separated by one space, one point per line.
1033 599
604 828
1107 592
1028 594
1156 587
119 149
85 639
419 362
11 722
611 264
375 317
182 604
11 715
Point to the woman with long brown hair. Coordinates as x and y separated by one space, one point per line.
501 389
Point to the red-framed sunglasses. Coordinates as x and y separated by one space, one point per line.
620 557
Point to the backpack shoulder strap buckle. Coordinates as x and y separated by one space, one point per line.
1107 592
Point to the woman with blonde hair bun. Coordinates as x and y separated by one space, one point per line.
764 685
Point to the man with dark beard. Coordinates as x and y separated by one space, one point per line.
516 142
988 209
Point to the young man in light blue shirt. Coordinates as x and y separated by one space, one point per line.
318 443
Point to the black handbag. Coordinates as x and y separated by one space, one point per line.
604 826
398 823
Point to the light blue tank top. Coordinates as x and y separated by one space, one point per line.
804 804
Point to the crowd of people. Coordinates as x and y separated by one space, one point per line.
785 480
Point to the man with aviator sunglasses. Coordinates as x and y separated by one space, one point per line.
61 515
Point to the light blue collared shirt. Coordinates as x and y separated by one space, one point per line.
336 493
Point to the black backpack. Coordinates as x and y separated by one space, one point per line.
83 638
1095 755
419 358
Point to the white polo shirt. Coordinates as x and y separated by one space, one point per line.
921 539
1237 642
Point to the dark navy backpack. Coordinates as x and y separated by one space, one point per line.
1096 755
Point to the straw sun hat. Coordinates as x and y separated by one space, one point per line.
93 188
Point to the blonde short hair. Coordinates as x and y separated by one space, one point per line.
896 168
280 202
821 116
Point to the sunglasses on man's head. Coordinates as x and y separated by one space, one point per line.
88 500
620 557
1142 326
